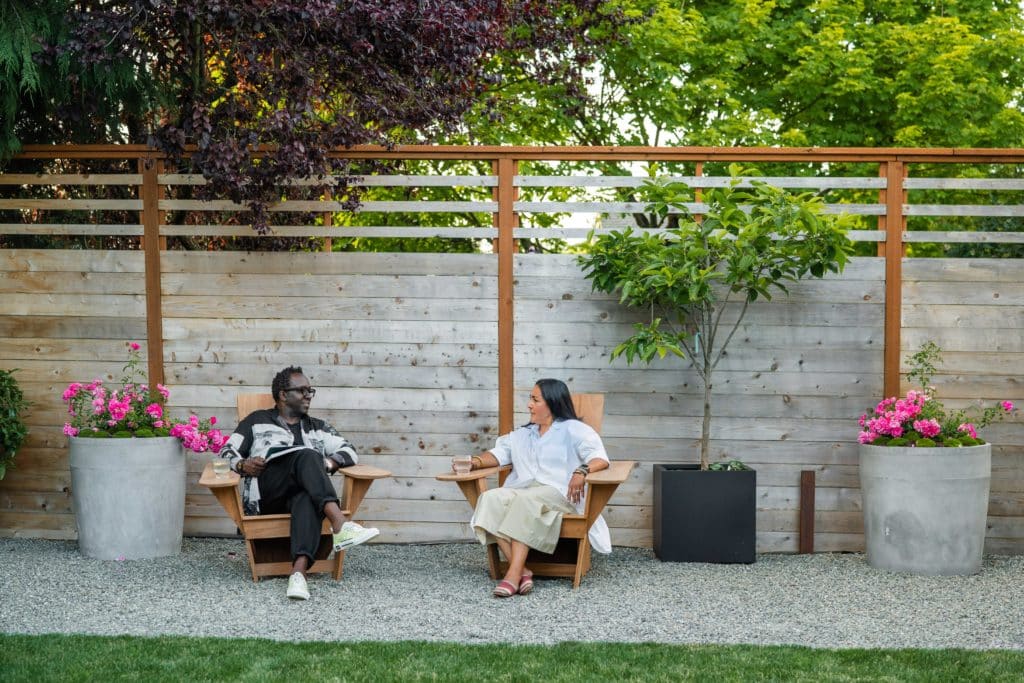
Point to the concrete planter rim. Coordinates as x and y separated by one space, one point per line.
924 450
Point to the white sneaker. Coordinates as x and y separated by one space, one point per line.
297 589
353 534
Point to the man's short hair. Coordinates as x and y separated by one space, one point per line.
283 379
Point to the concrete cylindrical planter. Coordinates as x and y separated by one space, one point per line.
129 496
925 509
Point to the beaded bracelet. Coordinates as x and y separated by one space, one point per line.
478 463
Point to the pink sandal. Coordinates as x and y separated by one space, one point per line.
526 583
505 589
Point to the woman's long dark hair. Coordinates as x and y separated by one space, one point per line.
559 400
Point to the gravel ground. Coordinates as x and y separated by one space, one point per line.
442 592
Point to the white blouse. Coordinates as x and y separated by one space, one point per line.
551 459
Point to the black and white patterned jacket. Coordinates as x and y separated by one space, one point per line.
265 434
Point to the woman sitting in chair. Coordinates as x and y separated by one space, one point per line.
550 457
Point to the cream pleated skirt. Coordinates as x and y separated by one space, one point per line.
530 515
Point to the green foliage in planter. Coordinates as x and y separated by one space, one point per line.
731 466
12 430
752 239
140 432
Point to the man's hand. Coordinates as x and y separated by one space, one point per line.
253 467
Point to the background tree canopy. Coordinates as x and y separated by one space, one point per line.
291 78
295 78
791 72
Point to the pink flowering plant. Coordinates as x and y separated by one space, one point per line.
920 419
133 409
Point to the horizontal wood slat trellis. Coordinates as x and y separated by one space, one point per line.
423 356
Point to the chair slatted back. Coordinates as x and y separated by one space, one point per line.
590 409
247 403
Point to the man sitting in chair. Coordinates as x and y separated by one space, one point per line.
285 457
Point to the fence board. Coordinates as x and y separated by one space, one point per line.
871 269
400 231
421 310
72 327
415 377
70 228
969 271
201 330
791 182
49 179
99 305
286 285
275 353
84 283
571 286
54 349
335 264
72 204
994 295
70 260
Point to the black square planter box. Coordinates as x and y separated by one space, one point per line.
704 516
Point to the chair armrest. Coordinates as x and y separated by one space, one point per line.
212 481
472 475
363 472
473 483
616 473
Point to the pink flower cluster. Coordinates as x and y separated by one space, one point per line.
133 410
921 416
191 434
891 417
928 428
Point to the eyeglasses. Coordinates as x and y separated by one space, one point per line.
305 391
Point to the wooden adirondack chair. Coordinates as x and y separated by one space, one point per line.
267 537
572 554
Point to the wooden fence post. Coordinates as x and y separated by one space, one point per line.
149 167
506 168
895 171
806 542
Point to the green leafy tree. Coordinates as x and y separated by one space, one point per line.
698 278
798 72
793 72
12 427
48 96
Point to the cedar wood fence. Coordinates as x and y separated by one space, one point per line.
421 356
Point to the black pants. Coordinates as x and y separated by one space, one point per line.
297 483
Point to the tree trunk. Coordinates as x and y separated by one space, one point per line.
705 429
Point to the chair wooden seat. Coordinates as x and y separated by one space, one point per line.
268 537
571 557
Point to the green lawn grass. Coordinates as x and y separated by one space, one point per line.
114 658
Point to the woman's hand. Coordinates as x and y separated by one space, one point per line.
575 494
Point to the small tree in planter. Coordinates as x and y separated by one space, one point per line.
12 429
697 279
750 241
